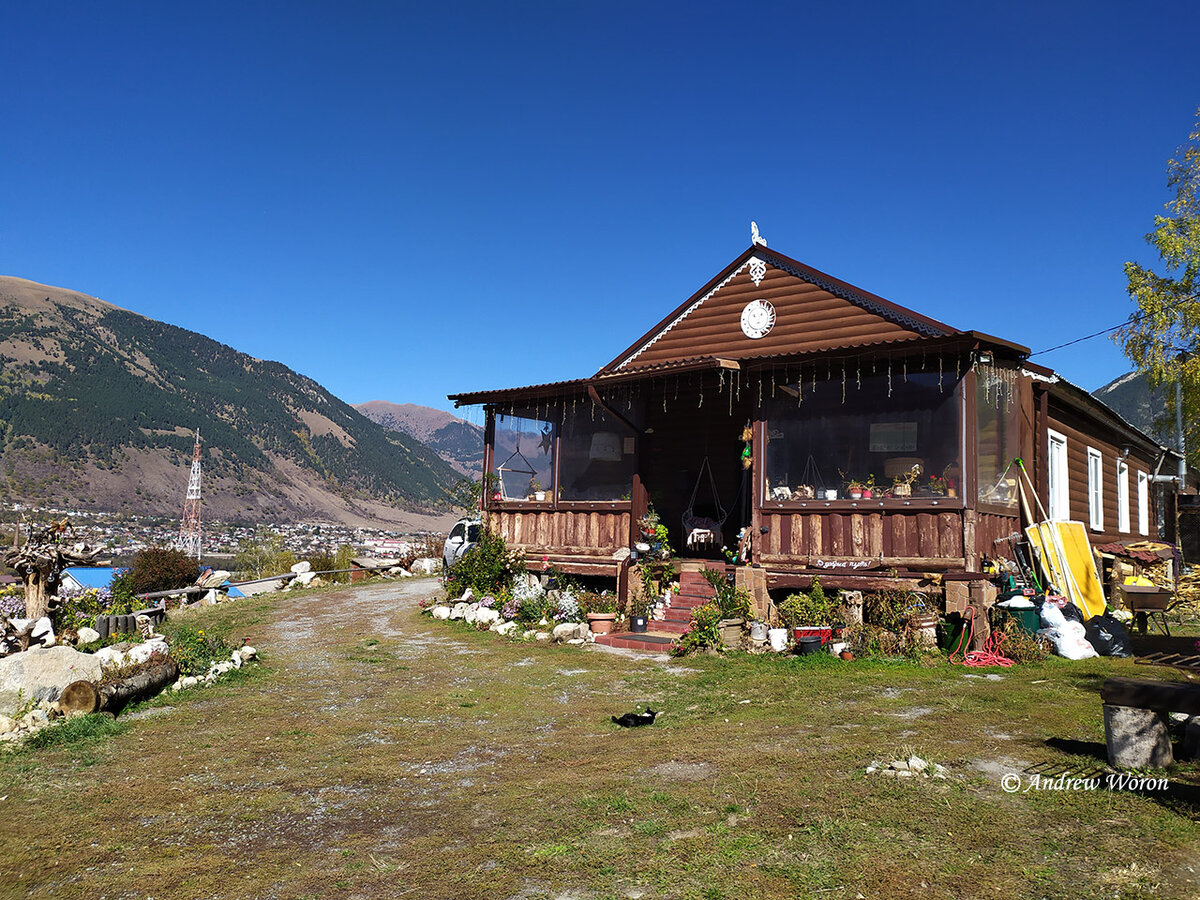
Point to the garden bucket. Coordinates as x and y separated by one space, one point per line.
806 646
778 639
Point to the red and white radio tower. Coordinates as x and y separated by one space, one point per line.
189 530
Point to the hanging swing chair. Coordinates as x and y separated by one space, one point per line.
702 532
522 473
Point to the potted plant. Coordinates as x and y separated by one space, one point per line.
600 610
902 483
535 490
809 617
854 488
868 487
734 605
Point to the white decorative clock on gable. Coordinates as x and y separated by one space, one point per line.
758 318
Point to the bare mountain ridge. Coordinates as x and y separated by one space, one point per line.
98 406
456 440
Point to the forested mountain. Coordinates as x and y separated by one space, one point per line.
98 406
456 440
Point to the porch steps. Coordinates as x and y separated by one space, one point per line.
694 591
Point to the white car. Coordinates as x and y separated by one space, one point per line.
463 536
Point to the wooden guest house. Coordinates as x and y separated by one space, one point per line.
841 435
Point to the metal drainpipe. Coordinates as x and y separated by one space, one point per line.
1179 429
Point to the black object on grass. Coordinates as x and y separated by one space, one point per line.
635 719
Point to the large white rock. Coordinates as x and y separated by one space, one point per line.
486 616
142 652
87 635
304 579
506 628
468 596
472 614
564 632
426 566
41 674
440 612
248 652
459 610
302 567
110 657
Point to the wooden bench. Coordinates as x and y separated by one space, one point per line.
1136 728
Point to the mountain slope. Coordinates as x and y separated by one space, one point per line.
456 440
1150 409
98 405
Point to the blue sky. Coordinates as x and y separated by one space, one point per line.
404 200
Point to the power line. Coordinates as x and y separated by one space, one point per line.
1129 321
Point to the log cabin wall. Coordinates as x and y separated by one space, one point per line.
924 539
563 532
1082 432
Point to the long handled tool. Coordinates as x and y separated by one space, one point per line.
1054 547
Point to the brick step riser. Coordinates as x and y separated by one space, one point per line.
629 641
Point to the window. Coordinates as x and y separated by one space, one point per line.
596 457
1095 464
1056 473
1143 489
1122 496
996 434
524 453
819 438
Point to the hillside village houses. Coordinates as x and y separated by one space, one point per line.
818 429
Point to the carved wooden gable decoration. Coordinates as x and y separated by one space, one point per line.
766 304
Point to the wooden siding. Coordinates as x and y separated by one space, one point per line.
1082 434
896 537
990 528
808 318
592 533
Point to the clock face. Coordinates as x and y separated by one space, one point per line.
758 318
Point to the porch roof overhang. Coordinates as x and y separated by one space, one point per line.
962 341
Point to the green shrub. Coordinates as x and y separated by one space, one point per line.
591 602
813 608
487 568
704 633
264 554
733 602
155 569
194 648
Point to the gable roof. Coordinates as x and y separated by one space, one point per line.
91 576
814 312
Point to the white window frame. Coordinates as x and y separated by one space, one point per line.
1095 480
1122 496
1058 479
1143 497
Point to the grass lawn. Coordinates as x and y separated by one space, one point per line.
378 753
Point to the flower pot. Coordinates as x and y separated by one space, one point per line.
847 655
831 494
902 490
758 631
539 496
731 631
808 646
867 493
951 492
856 495
601 623
638 624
